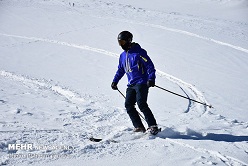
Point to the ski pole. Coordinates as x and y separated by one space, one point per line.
125 98
121 93
210 106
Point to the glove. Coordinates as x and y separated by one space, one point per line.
114 86
150 83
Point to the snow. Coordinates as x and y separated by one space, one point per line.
58 61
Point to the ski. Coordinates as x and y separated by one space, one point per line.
95 139
114 141
100 139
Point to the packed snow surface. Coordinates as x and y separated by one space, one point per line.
58 59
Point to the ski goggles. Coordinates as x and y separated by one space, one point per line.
122 42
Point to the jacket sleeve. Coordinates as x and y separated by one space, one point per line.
119 73
148 65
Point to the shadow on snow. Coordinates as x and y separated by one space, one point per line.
193 135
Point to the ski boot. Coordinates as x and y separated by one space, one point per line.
154 130
139 129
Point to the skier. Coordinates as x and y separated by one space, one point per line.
140 72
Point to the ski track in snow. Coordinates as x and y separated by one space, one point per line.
177 31
164 28
75 121
73 97
158 26
196 93
227 160
70 95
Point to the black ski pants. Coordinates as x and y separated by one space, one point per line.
138 93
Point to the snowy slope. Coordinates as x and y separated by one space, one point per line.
58 61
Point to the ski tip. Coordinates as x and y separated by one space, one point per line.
95 139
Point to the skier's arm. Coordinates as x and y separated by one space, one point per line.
149 66
119 73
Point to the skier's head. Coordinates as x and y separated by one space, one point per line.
125 39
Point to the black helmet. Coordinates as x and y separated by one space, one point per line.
126 36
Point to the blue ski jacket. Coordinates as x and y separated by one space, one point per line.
137 65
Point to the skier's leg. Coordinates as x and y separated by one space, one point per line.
141 97
130 107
